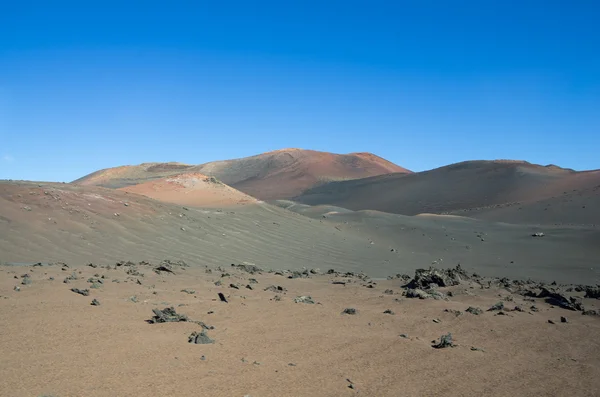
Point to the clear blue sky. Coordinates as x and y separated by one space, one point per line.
421 83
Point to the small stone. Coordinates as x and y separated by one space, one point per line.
404 336
234 286
167 315
84 292
388 311
563 319
26 281
188 291
134 299
203 358
445 341
497 307
222 297
416 293
388 292
249 287
474 310
17 288
436 320
304 299
350 311
218 283
477 349
95 302
200 338
534 309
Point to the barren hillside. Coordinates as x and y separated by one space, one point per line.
474 188
274 175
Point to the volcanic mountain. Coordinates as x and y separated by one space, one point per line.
501 190
280 174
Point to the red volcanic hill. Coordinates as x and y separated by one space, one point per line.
191 189
280 174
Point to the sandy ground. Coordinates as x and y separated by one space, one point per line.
56 222
53 342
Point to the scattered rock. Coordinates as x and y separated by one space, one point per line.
17 288
476 349
222 297
299 274
388 292
404 336
563 319
550 322
497 307
538 234
338 282
425 278
560 300
26 280
70 278
455 312
188 291
249 287
167 315
200 338
436 320
350 311
445 341
591 313
84 292
218 283
518 309
252 281
416 293
388 311
163 269
275 288
474 310
304 299
234 286
95 302
592 292
248 268
134 299
534 308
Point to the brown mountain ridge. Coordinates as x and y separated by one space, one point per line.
279 174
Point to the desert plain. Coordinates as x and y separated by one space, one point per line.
298 273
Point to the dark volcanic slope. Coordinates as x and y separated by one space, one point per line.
474 188
273 175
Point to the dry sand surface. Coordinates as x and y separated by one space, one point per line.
274 175
54 342
63 222
191 189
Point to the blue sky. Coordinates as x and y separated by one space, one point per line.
95 84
